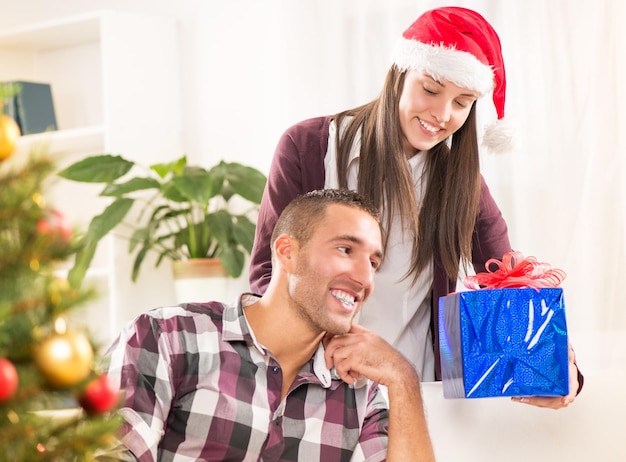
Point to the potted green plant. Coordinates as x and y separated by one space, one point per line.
183 211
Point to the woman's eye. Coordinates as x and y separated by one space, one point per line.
465 103
430 92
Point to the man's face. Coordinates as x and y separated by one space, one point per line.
334 271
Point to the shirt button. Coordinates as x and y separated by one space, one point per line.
275 369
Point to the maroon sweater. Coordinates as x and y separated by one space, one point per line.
298 167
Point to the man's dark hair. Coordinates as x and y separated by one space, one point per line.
302 214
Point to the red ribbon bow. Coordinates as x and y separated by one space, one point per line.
515 271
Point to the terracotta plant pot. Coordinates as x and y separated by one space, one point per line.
200 280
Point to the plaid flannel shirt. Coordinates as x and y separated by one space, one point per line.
199 387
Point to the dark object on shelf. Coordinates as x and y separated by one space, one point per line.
32 108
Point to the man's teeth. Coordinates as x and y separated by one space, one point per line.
343 297
428 127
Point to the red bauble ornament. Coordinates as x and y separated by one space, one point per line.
55 227
100 395
8 379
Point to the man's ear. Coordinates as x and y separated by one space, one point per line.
285 251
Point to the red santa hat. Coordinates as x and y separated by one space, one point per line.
459 45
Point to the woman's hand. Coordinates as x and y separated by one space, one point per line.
557 402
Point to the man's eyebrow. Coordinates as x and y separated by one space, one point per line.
347 237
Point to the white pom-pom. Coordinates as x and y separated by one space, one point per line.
499 137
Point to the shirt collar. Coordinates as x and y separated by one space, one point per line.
355 149
323 374
235 328
329 376
415 161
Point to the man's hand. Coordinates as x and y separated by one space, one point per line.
362 353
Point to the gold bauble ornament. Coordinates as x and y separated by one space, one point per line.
9 134
64 358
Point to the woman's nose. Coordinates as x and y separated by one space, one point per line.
441 112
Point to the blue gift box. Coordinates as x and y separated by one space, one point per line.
503 342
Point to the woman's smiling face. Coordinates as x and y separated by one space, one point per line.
431 110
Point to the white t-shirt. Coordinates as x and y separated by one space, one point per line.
396 310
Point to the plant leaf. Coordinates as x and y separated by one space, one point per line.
246 181
232 259
164 169
97 169
220 185
99 227
132 185
102 224
138 260
139 235
81 263
8 90
243 232
198 187
220 225
171 193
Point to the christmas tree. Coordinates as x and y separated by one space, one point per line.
54 403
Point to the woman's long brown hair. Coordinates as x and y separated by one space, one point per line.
445 223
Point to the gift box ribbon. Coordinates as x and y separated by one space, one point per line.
515 271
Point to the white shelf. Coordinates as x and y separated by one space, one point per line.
73 140
108 72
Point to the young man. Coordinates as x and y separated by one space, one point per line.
283 377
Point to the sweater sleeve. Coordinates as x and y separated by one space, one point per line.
297 167
491 239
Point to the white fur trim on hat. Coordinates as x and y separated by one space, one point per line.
499 137
441 62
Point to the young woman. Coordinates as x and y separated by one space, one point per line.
414 152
